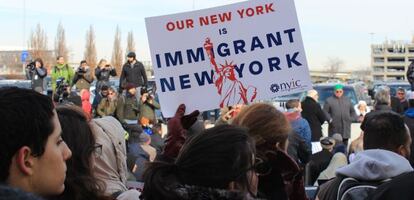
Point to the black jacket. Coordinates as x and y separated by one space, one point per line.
36 76
396 105
319 162
102 76
314 114
399 187
298 149
133 73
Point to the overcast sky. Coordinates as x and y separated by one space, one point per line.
330 28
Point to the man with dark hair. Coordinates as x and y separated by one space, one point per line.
402 98
133 72
61 70
386 144
83 77
410 75
409 121
32 153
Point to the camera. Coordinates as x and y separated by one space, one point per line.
31 66
61 90
81 70
148 90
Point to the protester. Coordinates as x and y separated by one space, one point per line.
320 161
103 72
127 109
157 141
298 150
386 148
339 144
108 104
136 153
361 109
83 77
409 121
282 177
223 171
61 70
338 160
399 188
133 72
313 113
86 104
32 153
110 166
341 114
80 183
410 75
98 98
147 106
401 96
299 124
36 72
382 99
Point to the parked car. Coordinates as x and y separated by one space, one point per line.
17 83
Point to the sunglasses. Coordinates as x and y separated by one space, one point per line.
339 91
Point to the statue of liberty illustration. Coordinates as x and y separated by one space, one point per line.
231 90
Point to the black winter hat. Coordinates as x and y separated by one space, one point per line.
131 55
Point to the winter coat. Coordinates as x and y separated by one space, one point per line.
369 165
83 79
133 73
313 113
396 105
36 77
102 77
157 142
400 187
319 162
300 126
110 167
340 113
147 110
106 107
298 149
86 105
338 160
141 159
284 180
409 121
64 71
127 108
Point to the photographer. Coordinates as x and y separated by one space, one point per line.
103 72
83 78
147 107
64 95
61 70
36 72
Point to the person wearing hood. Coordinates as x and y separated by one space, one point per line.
409 120
299 147
386 148
61 70
86 104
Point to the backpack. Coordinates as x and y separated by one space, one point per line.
353 189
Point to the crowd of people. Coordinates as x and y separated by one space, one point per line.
58 148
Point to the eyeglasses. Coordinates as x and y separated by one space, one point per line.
400 93
339 91
97 150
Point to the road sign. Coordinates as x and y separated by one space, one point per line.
24 56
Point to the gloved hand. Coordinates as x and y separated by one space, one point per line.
177 127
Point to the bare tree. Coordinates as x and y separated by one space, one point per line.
117 55
90 48
333 65
38 46
130 43
60 43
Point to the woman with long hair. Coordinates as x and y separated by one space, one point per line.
80 183
216 164
279 175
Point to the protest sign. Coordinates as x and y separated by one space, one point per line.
227 55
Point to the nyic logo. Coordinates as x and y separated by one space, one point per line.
285 86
